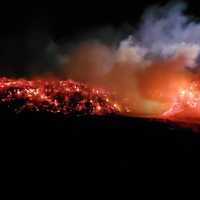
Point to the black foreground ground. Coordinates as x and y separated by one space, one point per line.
44 142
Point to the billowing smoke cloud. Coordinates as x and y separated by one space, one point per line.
167 32
150 67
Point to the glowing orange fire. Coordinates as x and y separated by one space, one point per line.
55 96
186 104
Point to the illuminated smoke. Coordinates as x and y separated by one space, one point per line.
149 68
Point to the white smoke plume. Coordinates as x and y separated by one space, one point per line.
165 32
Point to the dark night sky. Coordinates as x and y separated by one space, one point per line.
27 27
69 17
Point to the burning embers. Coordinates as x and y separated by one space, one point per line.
187 103
55 96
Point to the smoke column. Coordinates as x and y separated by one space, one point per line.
151 68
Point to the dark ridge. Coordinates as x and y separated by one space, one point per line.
57 143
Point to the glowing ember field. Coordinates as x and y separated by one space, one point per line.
54 96
68 97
